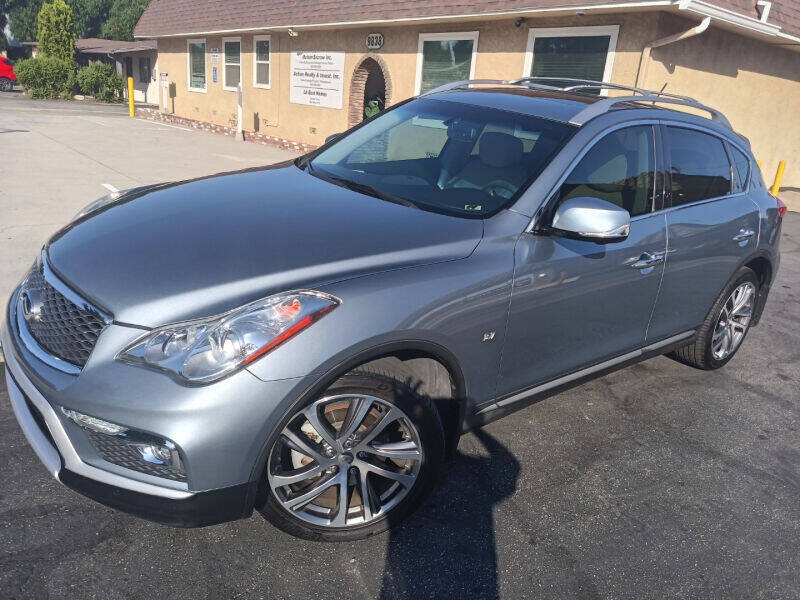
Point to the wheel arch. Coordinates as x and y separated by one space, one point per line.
425 353
761 264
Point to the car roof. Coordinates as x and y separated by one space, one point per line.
553 105
560 105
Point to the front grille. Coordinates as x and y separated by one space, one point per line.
61 328
118 450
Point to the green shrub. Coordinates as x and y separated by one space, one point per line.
44 77
56 30
100 80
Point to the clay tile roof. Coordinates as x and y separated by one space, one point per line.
173 17
101 46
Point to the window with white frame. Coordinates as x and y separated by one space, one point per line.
445 57
571 52
232 71
261 56
197 65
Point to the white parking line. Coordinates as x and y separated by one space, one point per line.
159 124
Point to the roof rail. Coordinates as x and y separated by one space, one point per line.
598 108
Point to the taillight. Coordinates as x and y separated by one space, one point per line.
781 207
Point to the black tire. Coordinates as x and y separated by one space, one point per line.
6 85
424 416
700 354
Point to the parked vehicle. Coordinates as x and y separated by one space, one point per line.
310 339
7 76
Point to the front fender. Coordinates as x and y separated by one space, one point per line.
451 306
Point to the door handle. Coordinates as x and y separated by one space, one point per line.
744 235
648 260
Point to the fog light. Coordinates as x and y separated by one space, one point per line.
165 455
94 423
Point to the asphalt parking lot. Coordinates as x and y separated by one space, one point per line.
658 481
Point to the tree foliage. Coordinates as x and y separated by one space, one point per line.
122 18
93 18
89 16
23 16
57 31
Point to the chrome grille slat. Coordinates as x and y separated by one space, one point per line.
63 329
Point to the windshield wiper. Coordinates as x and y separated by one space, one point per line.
362 188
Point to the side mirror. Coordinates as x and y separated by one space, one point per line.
592 219
333 137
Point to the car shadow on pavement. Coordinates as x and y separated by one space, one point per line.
448 549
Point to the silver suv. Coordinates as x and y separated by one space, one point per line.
310 339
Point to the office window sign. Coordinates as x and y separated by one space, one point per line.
317 78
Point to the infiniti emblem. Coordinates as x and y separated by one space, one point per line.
32 303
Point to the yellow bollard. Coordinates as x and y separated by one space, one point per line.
130 96
776 185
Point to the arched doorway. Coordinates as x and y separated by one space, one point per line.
370 84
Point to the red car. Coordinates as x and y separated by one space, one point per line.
7 76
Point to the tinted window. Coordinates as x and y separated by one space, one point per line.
700 166
444 61
741 169
444 156
580 57
619 168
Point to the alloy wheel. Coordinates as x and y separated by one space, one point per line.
733 321
345 460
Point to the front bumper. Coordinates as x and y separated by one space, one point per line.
47 437
217 490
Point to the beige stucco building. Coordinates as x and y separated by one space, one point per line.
306 76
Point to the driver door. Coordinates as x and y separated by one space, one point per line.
577 302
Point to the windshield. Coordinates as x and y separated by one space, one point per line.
443 156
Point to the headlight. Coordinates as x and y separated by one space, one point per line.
206 350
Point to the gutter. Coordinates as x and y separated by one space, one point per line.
724 15
670 39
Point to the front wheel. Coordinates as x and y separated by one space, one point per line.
6 85
355 461
725 327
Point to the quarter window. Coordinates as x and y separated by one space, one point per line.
233 64
446 57
700 166
619 169
197 65
261 65
741 169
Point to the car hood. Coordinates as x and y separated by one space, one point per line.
202 247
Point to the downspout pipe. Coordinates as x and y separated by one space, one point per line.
670 39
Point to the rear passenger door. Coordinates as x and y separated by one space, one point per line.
712 226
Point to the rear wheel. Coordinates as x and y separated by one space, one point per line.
6 85
725 327
355 461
